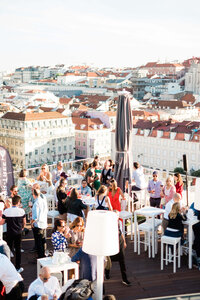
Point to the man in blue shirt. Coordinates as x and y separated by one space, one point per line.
39 222
85 189
88 265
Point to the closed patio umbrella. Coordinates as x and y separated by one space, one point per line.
123 141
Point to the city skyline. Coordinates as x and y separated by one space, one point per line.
100 33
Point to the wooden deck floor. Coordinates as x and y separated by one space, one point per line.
144 273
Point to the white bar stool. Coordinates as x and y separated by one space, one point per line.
174 241
125 215
146 227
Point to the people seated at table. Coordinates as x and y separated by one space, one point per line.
85 189
167 191
196 244
154 188
175 225
45 175
60 235
11 279
178 183
39 222
62 197
106 173
45 284
102 199
56 172
24 190
120 257
168 207
114 193
15 219
76 236
138 179
84 169
74 205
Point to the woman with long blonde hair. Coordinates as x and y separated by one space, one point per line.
114 193
168 191
176 218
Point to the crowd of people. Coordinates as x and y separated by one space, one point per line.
27 204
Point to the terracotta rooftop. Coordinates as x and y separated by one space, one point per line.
172 104
189 98
64 100
87 124
111 113
92 98
32 116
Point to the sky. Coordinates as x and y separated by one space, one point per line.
111 33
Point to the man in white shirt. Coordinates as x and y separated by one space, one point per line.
39 222
11 279
45 284
138 177
56 172
168 207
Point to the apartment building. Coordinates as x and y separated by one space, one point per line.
161 144
36 138
93 137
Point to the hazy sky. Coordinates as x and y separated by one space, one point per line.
103 32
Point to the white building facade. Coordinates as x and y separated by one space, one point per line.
36 138
163 150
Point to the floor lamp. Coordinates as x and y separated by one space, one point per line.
101 239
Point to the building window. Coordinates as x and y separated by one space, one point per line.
36 152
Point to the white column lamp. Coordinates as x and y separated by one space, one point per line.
101 239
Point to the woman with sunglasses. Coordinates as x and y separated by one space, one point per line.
60 235
114 193
45 175
154 188
75 240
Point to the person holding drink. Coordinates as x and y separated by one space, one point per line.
167 191
154 189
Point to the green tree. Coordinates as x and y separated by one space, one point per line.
179 170
196 173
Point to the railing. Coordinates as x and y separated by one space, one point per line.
76 166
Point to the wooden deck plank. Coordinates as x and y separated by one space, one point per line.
147 279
